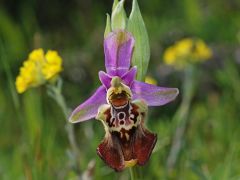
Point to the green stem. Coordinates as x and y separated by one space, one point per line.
134 173
181 117
55 91
131 173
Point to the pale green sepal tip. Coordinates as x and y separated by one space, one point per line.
75 118
119 17
115 3
141 54
108 28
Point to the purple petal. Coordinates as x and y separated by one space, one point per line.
105 79
129 76
89 108
153 95
118 47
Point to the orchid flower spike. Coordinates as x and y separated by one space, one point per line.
121 104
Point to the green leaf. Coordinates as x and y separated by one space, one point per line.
108 28
119 18
141 54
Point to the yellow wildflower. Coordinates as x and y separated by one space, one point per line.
28 76
37 69
201 52
21 84
150 80
183 48
187 51
169 56
37 56
53 65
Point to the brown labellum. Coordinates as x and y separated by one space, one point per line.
126 137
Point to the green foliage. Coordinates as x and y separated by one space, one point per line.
141 53
33 138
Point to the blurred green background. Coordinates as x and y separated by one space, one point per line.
33 140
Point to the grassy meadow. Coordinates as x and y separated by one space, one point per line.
34 142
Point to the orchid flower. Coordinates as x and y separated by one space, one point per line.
121 103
